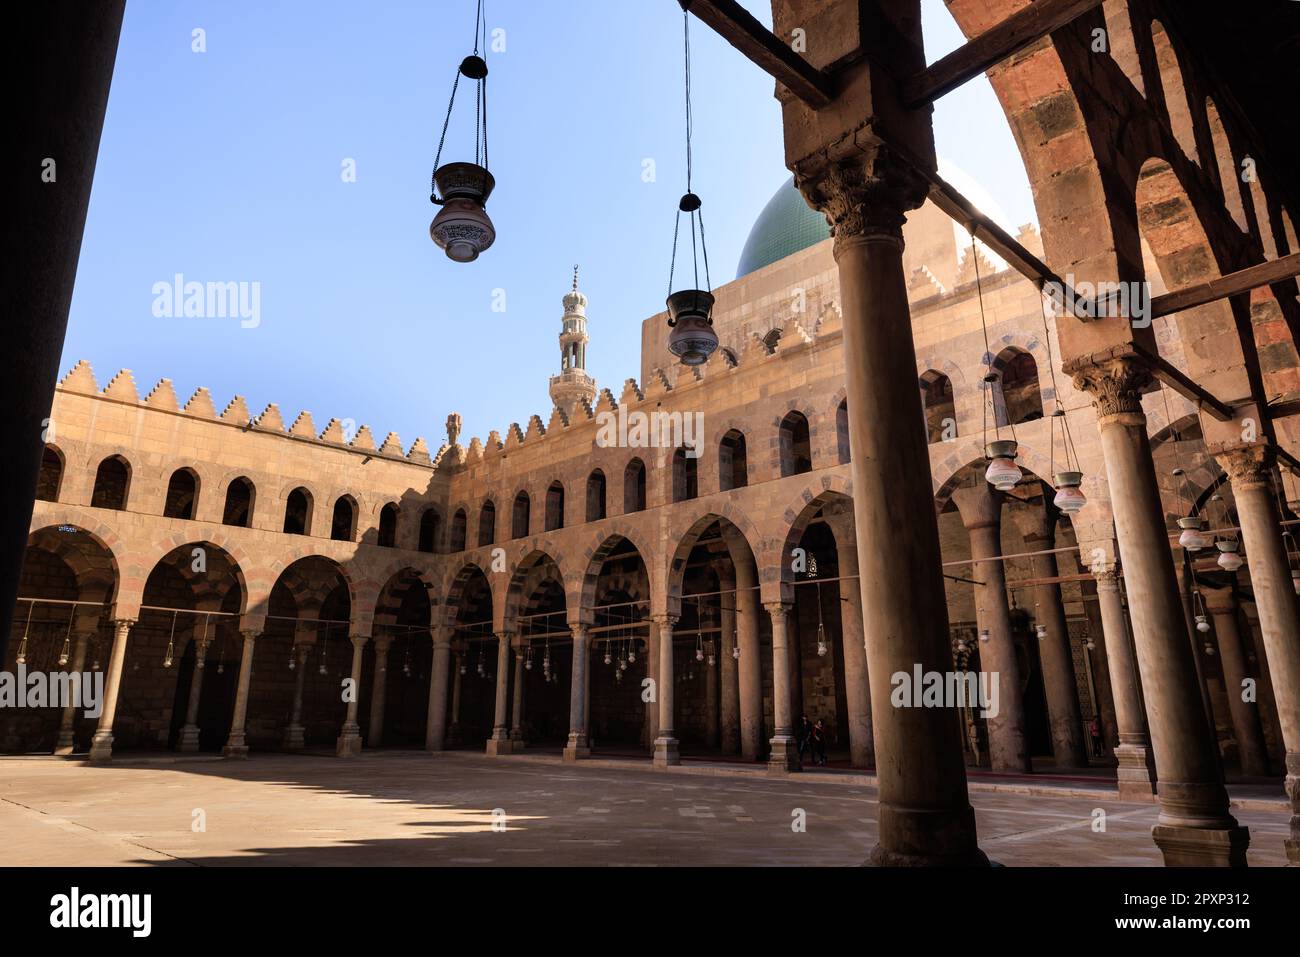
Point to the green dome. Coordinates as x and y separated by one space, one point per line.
786 225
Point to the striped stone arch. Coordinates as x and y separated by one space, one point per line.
93 560
827 490
185 541
592 560
809 411
454 591
379 604
951 471
737 528
259 601
162 475
535 567
138 479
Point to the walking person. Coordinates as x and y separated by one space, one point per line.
819 742
805 737
1094 729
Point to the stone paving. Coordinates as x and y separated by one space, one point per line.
413 808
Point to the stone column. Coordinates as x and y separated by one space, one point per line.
189 739
295 738
1101 664
499 742
712 731
1059 685
577 744
980 506
857 686
750 675
785 754
666 753
453 732
1194 827
925 817
236 745
101 745
517 704
435 727
349 741
379 690
68 720
1221 603
1136 774
729 707
652 673
1275 600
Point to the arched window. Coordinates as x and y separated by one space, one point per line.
842 431
182 495
343 527
51 477
459 522
297 512
388 525
487 524
940 410
634 487
238 510
555 506
429 530
112 483
771 339
596 496
685 483
796 449
519 516
733 470
1018 397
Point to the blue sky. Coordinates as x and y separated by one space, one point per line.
225 166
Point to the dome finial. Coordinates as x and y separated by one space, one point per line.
575 277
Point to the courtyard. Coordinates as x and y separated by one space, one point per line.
415 809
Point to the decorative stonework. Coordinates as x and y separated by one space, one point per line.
1115 384
1248 467
864 198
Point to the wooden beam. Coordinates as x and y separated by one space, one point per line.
1244 280
957 206
1189 390
739 28
991 47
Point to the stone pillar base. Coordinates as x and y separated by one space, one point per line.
236 746
1202 847
349 742
784 757
101 746
1292 785
499 745
577 748
294 738
189 739
666 753
1136 775
64 745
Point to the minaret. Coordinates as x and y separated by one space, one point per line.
573 384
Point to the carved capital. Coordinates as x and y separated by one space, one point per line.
1115 384
1248 467
866 197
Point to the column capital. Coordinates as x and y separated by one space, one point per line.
383 642
441 634
1219 601
1107 579
580 630
123 624
504 636
864 198
1250 466
358 641
665 621
249 635
1114 382
979 505
775 608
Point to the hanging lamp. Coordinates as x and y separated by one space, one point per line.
170 654
822 646
461 227
690 311
1069 492
1003 473
21 657
66 650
